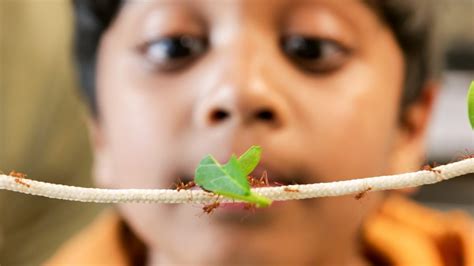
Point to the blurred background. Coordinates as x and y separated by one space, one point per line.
43 134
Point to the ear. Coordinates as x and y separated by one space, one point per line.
408 152
102 167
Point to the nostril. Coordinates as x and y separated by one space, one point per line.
219 115
265 115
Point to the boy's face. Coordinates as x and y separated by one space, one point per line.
317 84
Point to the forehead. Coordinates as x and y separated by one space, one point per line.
168 16
259 7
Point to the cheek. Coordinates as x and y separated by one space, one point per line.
355 115
366 123
139 123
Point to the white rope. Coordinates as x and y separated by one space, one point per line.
279 193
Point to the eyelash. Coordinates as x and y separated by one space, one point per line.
310 54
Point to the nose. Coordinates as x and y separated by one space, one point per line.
263 115
246 113
244 90
243 103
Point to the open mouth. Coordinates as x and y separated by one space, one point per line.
262 176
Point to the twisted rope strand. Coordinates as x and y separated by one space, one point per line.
279 193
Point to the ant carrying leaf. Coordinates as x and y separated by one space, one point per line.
230 179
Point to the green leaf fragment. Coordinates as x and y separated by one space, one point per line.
227 179
230 180
250 159
470 104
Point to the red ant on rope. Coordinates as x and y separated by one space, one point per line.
18 178
260 182
181 185
431 169
361 194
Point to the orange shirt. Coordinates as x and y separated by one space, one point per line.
401 233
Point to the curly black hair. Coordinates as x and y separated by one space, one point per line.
411 22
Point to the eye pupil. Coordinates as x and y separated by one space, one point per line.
304 47
176 48
314 54
166 51
172 47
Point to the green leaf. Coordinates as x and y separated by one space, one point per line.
250 159
235 170
470 104
230 180
225 180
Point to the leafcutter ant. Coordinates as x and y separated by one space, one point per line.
181 185
430 168
211 207
260 182
436 171
361 194
18 178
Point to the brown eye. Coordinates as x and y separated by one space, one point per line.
314 54
175 52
